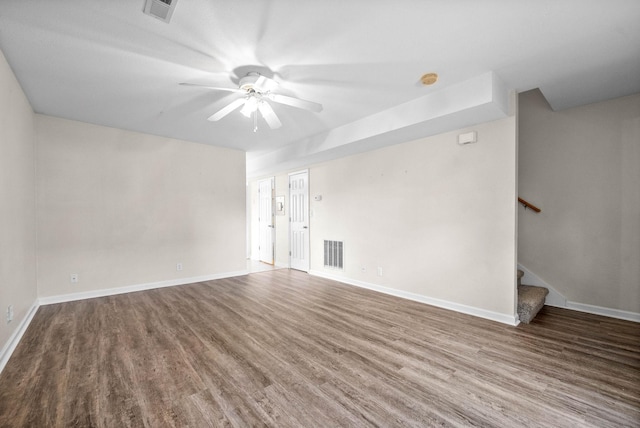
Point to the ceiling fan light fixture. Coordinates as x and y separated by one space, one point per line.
257 95
250 106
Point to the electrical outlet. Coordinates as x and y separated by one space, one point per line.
179 266
74 278
9 313
379 271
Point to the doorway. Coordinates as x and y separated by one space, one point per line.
265 220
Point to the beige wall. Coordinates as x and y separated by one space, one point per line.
17 203
437 217
581 166
121 208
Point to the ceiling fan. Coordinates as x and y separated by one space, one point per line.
257 91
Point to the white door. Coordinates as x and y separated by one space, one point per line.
265 220
299 220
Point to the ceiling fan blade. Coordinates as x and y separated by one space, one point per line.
296 102
216 88
226 110
269 115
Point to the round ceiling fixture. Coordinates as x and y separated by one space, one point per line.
429 79
247 82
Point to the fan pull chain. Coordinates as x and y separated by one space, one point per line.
255 121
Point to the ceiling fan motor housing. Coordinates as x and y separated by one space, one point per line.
247 82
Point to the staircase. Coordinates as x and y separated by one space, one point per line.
530 299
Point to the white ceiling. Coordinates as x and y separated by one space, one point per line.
105 62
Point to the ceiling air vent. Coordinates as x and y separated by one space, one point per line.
161 9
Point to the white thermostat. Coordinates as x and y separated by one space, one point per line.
468 138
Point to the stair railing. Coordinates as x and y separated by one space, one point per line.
529 205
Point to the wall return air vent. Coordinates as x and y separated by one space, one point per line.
161 9
334 254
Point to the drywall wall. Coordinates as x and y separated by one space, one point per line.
581 167
17 204
437 217
120 208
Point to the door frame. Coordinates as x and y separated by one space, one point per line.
271 181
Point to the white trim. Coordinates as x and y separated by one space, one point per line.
49 300
299 172
15 338
470 310
554 298
607 312
272 226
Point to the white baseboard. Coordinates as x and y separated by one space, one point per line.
445 304
606 312
11 345
554 298
49 300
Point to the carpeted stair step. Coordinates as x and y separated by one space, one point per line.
530 301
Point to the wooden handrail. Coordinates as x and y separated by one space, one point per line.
529 205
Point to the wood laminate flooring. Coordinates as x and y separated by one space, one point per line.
286 349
